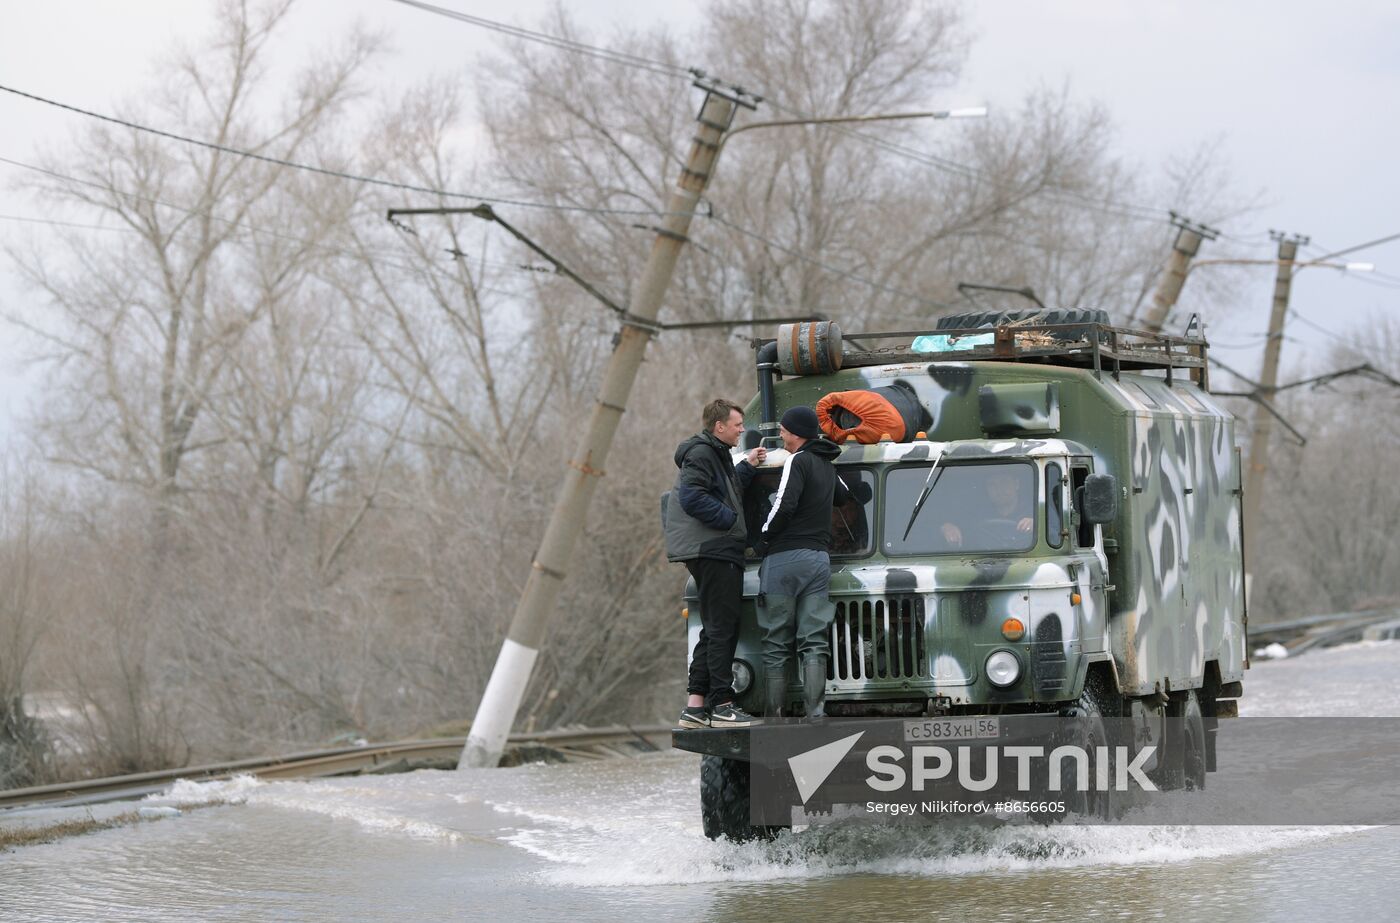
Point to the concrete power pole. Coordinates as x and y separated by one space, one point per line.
509 677
1187 245
1268 382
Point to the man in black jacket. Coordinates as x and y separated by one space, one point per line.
793 603
705 530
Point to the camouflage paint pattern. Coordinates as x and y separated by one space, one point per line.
1161 592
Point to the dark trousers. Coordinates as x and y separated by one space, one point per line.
721 588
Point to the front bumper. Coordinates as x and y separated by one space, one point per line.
790 736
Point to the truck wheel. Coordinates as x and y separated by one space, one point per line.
724 801
993 318
1193 740
1183 764
1093 704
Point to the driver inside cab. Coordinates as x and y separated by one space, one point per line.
1001 521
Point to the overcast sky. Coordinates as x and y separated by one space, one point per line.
1300 96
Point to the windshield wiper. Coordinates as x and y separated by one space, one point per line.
842 513
930 483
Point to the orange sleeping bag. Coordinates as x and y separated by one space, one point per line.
860 415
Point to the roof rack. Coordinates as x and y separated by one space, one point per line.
1100 347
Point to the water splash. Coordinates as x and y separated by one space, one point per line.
677 856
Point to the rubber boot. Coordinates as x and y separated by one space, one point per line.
814 687
775 691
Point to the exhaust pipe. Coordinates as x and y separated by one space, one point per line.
767 362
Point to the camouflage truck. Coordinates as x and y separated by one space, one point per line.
1125 598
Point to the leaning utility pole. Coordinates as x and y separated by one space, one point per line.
1187 245
509 677
1268 385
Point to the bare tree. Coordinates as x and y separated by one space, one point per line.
145 331
315 452
25 752
1327 543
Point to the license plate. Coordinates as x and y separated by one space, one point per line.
940 730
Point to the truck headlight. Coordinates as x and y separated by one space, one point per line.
1003 668
743 677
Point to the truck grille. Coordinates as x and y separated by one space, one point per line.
878 639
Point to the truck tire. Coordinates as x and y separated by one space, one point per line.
1189 765
995 318
724 801
1095 702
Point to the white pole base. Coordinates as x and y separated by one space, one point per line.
504 691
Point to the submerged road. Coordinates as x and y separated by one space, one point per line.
621 838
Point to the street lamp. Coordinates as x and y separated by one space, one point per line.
1296 264
966 112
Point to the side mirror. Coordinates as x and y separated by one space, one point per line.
1100 499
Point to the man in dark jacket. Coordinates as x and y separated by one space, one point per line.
705 530
793 603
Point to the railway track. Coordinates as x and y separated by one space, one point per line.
1317 631
398 756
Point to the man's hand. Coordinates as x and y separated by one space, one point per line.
1025 525
757 456
952 534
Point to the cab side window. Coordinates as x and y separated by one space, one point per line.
1084 532
1054 505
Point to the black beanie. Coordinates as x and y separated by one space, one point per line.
802 422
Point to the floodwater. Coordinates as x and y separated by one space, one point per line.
621 838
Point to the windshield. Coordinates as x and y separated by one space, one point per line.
973 508
852 522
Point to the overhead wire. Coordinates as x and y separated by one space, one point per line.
410 187
1371 275
1250 239
846 274
1127 210
1368 279
1294 313
238 225
324 171
66 224
1365 246
612 55
415 188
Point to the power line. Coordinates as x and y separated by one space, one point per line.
1120 209
1367 245
324 171
1253 240
276 234
1382 282
831 269
238 225
412 188
66 224
1293 313
1259 340
610 55
1127 210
